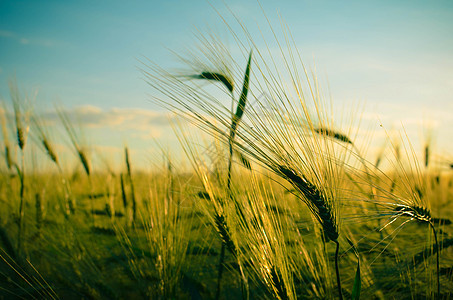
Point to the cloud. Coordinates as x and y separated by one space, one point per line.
26 41
121 119
5 33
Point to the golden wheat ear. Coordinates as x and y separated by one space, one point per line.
81 152
316 201
84 160
43 138
21 114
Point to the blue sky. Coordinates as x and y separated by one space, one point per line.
396 57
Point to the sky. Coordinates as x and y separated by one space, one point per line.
393 58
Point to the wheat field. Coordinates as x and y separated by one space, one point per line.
282 200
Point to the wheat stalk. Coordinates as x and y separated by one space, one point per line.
123 194
45 141
421 214
43 138
321 208
8 158
21 117
131 183
265 239
236 118
413 205
39 211
81 152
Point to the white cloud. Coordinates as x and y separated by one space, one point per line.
142 127
115 118
36 41
5 33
